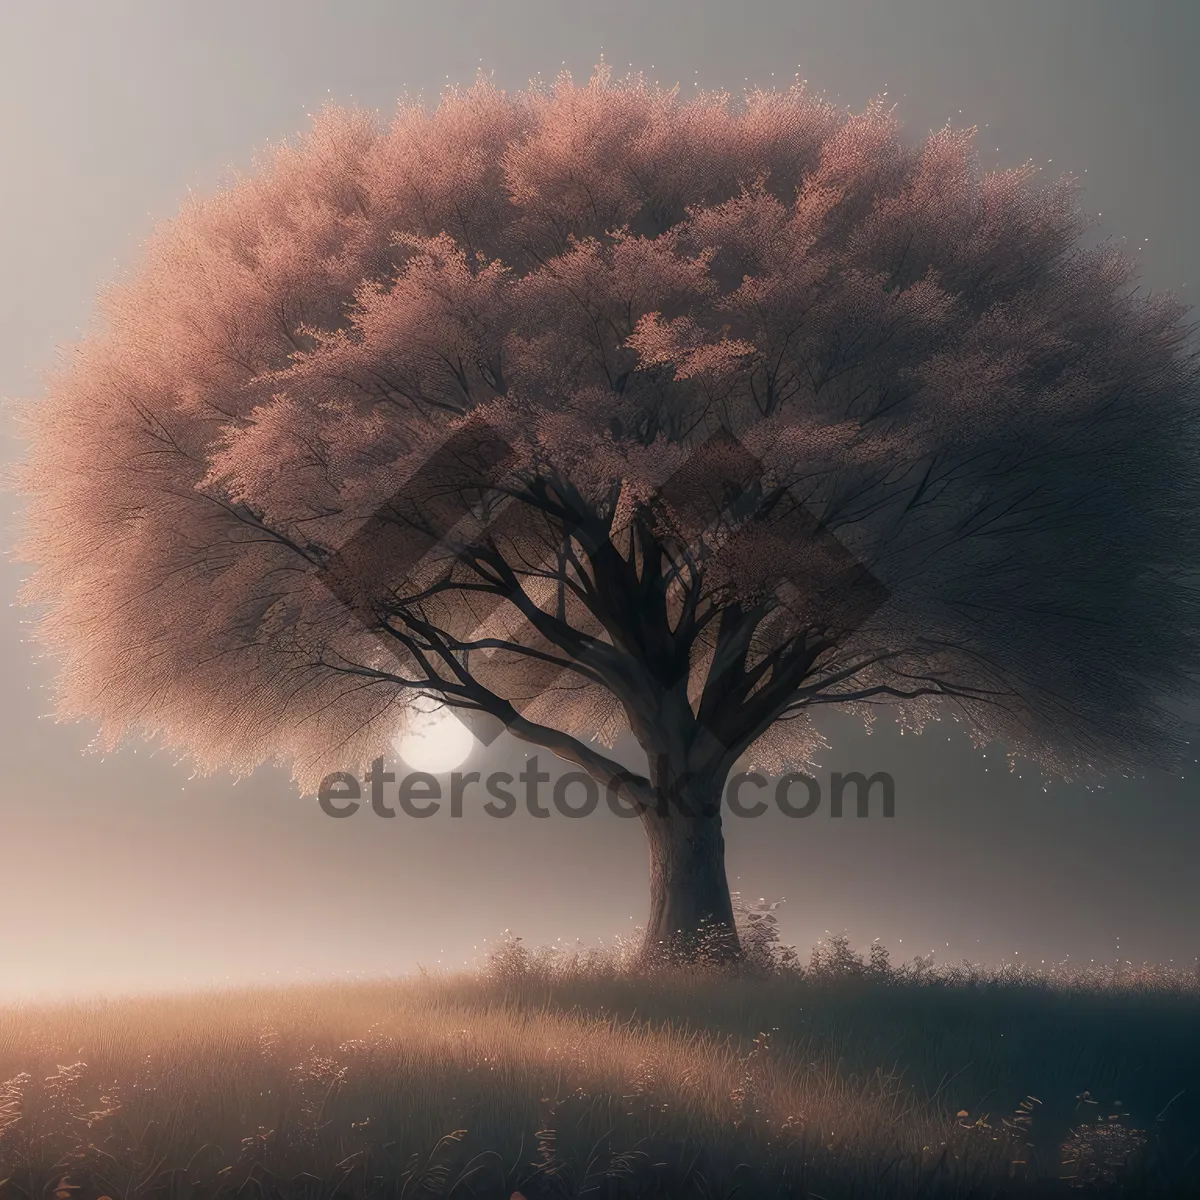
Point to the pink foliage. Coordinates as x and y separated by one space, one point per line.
930 373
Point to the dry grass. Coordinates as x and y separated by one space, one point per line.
560 1075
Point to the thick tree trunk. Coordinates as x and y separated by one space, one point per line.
691 915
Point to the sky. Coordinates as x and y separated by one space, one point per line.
125 873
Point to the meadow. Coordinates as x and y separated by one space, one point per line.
562 1073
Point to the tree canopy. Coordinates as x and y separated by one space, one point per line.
594 407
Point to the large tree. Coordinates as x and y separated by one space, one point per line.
586 409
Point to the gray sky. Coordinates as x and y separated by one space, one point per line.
123 873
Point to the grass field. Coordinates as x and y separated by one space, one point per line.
557 1075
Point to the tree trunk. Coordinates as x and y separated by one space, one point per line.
691 915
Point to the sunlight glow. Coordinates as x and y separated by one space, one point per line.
436 740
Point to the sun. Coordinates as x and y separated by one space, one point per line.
435 740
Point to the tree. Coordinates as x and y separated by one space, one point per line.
584 410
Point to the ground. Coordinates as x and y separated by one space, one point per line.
556 1079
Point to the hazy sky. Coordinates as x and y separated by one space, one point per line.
123 873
